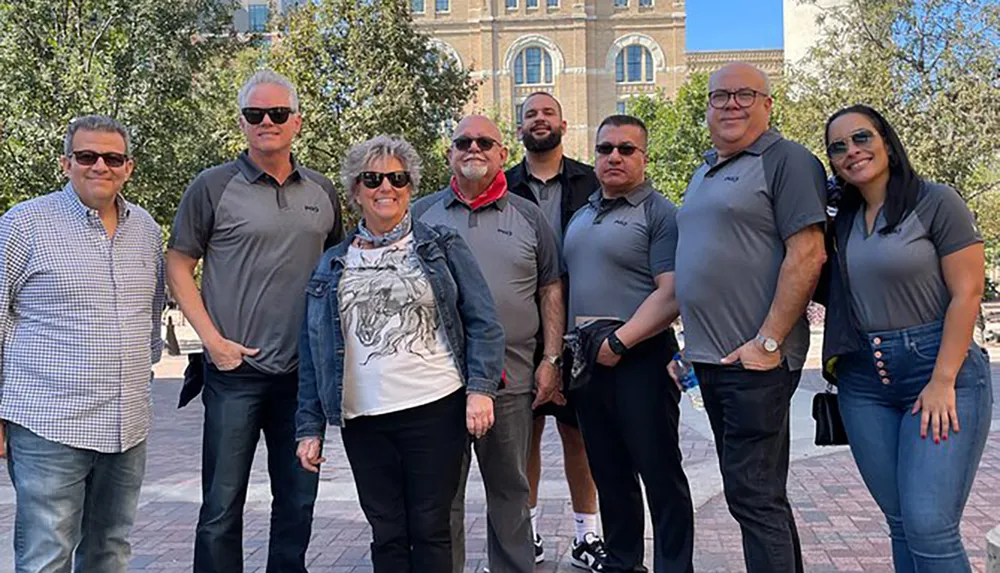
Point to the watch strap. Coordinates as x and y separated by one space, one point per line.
616 345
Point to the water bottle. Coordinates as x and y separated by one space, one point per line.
688 381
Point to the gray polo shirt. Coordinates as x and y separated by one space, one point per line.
732 227
549 197
260 242
614 250
517 252
896 280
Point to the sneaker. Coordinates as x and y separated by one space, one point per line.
539 549
589 554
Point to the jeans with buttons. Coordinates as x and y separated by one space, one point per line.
920 486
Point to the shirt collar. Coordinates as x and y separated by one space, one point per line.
253 173
85 213
555 178
758 147
634 197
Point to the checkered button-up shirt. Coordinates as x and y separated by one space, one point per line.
79 321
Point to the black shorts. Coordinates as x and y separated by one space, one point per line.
563 414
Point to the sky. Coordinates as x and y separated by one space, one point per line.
733 25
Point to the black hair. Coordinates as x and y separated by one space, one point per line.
619 120
542 93
904 183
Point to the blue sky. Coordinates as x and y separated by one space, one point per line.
733 24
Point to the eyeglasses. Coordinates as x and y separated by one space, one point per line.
483 143
255 115
373 179
624 149
861 138
744 97
87 158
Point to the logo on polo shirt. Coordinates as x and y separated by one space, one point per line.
312 208
731 178
505 232
621 222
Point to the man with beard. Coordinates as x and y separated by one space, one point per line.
559 186
518 254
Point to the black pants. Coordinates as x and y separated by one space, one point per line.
406 468
629 416
239 405
749 415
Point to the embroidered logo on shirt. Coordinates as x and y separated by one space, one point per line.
312 208
731 178
505 232
621 222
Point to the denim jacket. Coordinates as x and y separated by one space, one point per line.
464 304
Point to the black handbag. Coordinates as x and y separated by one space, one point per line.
829 425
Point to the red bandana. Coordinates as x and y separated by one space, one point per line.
496 190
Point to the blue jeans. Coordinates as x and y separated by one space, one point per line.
72 504
239 405
920 486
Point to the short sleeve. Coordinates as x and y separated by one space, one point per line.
952 226
797 182
550 266
194 220
661 218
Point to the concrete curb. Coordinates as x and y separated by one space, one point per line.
993 551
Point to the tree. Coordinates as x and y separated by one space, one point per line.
362 69
931 66
132 59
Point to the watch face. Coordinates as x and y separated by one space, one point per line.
771 345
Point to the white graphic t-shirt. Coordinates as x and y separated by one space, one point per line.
396 352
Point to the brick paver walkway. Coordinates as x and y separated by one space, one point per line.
840 526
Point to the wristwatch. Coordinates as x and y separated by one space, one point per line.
555 360
616 345
770 344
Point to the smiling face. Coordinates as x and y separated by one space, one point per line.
857 164
383 207
618 173
734 128
267 136
542 126
477 164
97 184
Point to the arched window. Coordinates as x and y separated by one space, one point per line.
533 66
634 64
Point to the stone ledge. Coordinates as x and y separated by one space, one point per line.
993 551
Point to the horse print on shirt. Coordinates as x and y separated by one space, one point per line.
387 303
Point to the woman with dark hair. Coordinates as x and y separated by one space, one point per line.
906 279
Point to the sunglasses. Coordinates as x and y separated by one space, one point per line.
483 143
744 97
373 179
87 158
624 149
861 138
255 115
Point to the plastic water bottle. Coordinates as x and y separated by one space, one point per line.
688 381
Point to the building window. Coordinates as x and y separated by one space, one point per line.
442 5
533 66
621 3
620 108
531 3
258 17
511 4
634 64
417 6
552 3
645 3
518 110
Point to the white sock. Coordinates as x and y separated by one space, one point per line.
534 519
584 523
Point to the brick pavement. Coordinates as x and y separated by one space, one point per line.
840 526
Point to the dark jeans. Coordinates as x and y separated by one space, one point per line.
239 404
629 416
920 486
405 467
749 413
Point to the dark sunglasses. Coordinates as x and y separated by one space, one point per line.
255 115
372 179
861 138
744 97
87 158
483 143
624 149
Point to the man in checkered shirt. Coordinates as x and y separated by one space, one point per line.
81 293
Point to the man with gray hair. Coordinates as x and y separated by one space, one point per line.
260 223
81 294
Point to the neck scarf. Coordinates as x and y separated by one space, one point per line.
495 191
393 235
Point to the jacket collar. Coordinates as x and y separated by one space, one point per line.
571 169
422 234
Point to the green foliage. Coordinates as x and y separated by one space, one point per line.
133 59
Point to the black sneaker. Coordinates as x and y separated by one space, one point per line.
539 549
589 554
